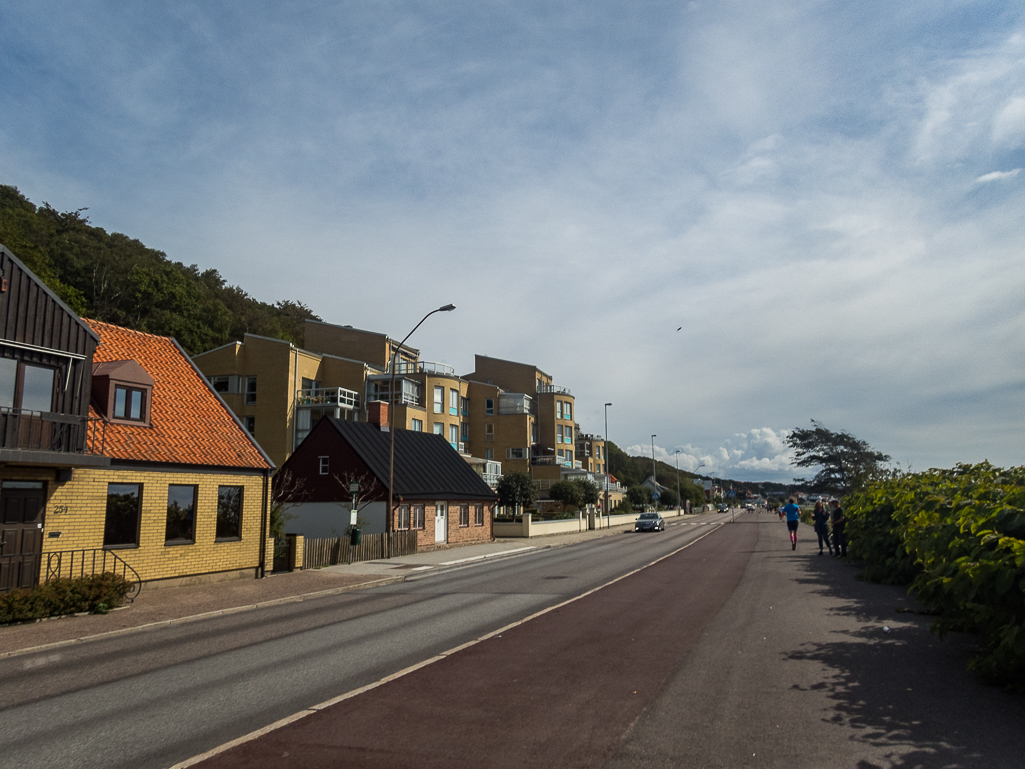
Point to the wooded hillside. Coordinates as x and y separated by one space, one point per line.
115 278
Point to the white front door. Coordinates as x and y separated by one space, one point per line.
441 522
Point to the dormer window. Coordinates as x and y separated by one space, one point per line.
130 403
123 391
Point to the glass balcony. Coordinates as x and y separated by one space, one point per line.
515 403
424 367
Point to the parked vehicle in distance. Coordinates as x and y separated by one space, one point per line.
650 522
750 506
723 507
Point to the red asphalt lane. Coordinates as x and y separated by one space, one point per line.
562 689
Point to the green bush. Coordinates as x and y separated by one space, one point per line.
960 535
96 593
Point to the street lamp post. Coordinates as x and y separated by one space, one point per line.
608 512
391 428
654 480
679 500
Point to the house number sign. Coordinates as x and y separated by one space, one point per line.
60 509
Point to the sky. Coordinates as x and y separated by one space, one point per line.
724 218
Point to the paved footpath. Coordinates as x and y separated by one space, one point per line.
734 652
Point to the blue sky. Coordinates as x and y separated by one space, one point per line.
826 197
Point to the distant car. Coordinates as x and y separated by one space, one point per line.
650 522
724 508
750 506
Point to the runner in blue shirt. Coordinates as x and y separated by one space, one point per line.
793 514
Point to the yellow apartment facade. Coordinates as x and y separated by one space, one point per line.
280 391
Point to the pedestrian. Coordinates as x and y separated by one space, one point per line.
793 514
821 517
839 535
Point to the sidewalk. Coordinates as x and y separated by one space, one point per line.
167 605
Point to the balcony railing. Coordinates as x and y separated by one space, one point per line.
328 396
42 431
424 367
547 388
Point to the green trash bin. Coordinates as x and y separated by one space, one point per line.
354 536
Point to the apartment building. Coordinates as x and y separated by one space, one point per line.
280 391
548 444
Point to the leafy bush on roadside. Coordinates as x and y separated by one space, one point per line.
960 534
95 593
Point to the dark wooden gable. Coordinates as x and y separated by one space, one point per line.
36 326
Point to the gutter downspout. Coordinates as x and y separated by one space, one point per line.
264 524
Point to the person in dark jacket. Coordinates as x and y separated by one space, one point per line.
839 525
821 518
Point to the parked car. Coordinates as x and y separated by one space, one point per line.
650 522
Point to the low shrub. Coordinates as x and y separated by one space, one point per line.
95 593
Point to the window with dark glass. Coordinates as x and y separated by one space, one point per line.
478 515
181 514
250 424
129 404
489 406
23 385
250 389
464 515
121 526
229 512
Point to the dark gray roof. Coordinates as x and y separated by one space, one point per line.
426 465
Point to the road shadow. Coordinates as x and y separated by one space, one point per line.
900 687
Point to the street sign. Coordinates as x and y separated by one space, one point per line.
656 495
352 517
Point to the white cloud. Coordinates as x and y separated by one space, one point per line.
995 176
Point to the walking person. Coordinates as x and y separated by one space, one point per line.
793 514
839 526
821 517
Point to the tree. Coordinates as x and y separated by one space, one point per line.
847 463
589 492
669 498
639 496
568 494
516 489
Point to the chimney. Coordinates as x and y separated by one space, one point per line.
377 414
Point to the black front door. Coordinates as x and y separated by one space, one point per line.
22 504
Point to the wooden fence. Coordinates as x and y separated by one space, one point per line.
335 550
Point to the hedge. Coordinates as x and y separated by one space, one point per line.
958 537
97 593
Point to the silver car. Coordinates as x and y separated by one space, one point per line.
650 522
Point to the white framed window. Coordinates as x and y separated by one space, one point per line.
515 453
453 403
558 434
439 400
567 410
489 453
489 431
439 428
489 406
569 434
417 425
325 465
464 406
453 435
558 409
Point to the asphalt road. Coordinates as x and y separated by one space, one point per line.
154 698
736 652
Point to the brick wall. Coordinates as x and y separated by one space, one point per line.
77 509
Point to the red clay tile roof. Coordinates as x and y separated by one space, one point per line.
188 423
